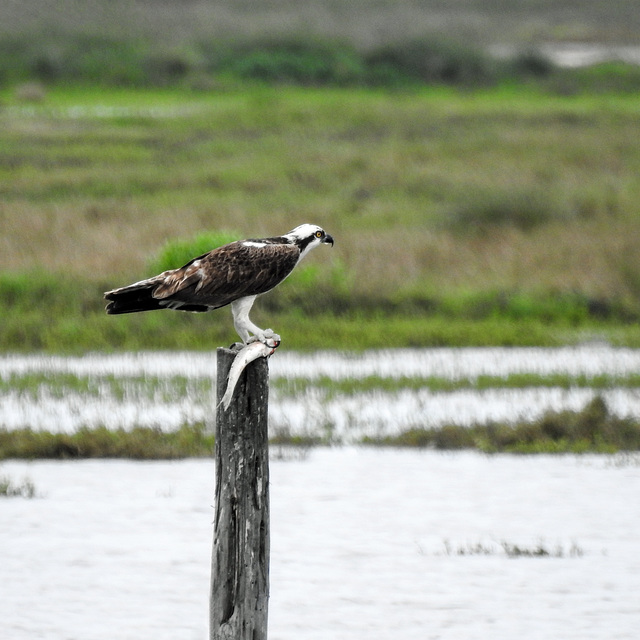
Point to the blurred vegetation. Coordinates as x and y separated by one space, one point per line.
9 488
140 443
108 61
105 61
177 252
46 312
593 429
473 201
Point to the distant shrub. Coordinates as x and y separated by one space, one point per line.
432 61
107 60
15 57
306 62
169 67
84 58
94 59
531 63
178 252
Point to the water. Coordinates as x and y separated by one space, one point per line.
364 544
153 397
446 362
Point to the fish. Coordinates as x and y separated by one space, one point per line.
247 354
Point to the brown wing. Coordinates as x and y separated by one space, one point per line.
225 274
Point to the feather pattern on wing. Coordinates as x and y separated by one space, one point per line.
212 280
228 273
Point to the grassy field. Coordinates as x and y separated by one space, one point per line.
505 215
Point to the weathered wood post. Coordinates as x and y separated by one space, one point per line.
240 558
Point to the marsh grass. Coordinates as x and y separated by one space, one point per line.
349 386
9 488
593 429
60 385
140 443
513 550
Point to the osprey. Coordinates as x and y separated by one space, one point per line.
234 274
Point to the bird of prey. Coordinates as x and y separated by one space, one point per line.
234 274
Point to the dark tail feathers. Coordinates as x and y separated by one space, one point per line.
134 298
139 297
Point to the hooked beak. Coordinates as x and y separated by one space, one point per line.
328 239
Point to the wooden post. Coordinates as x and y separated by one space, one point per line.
240 559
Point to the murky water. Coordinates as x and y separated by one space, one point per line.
146 394
365 543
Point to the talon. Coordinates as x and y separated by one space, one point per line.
267 337
271 339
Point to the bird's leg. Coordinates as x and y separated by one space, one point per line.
240 310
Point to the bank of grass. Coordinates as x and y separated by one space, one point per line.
592 430
140 443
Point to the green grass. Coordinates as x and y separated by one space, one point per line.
45 312
496 216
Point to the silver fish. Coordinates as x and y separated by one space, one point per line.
247 354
